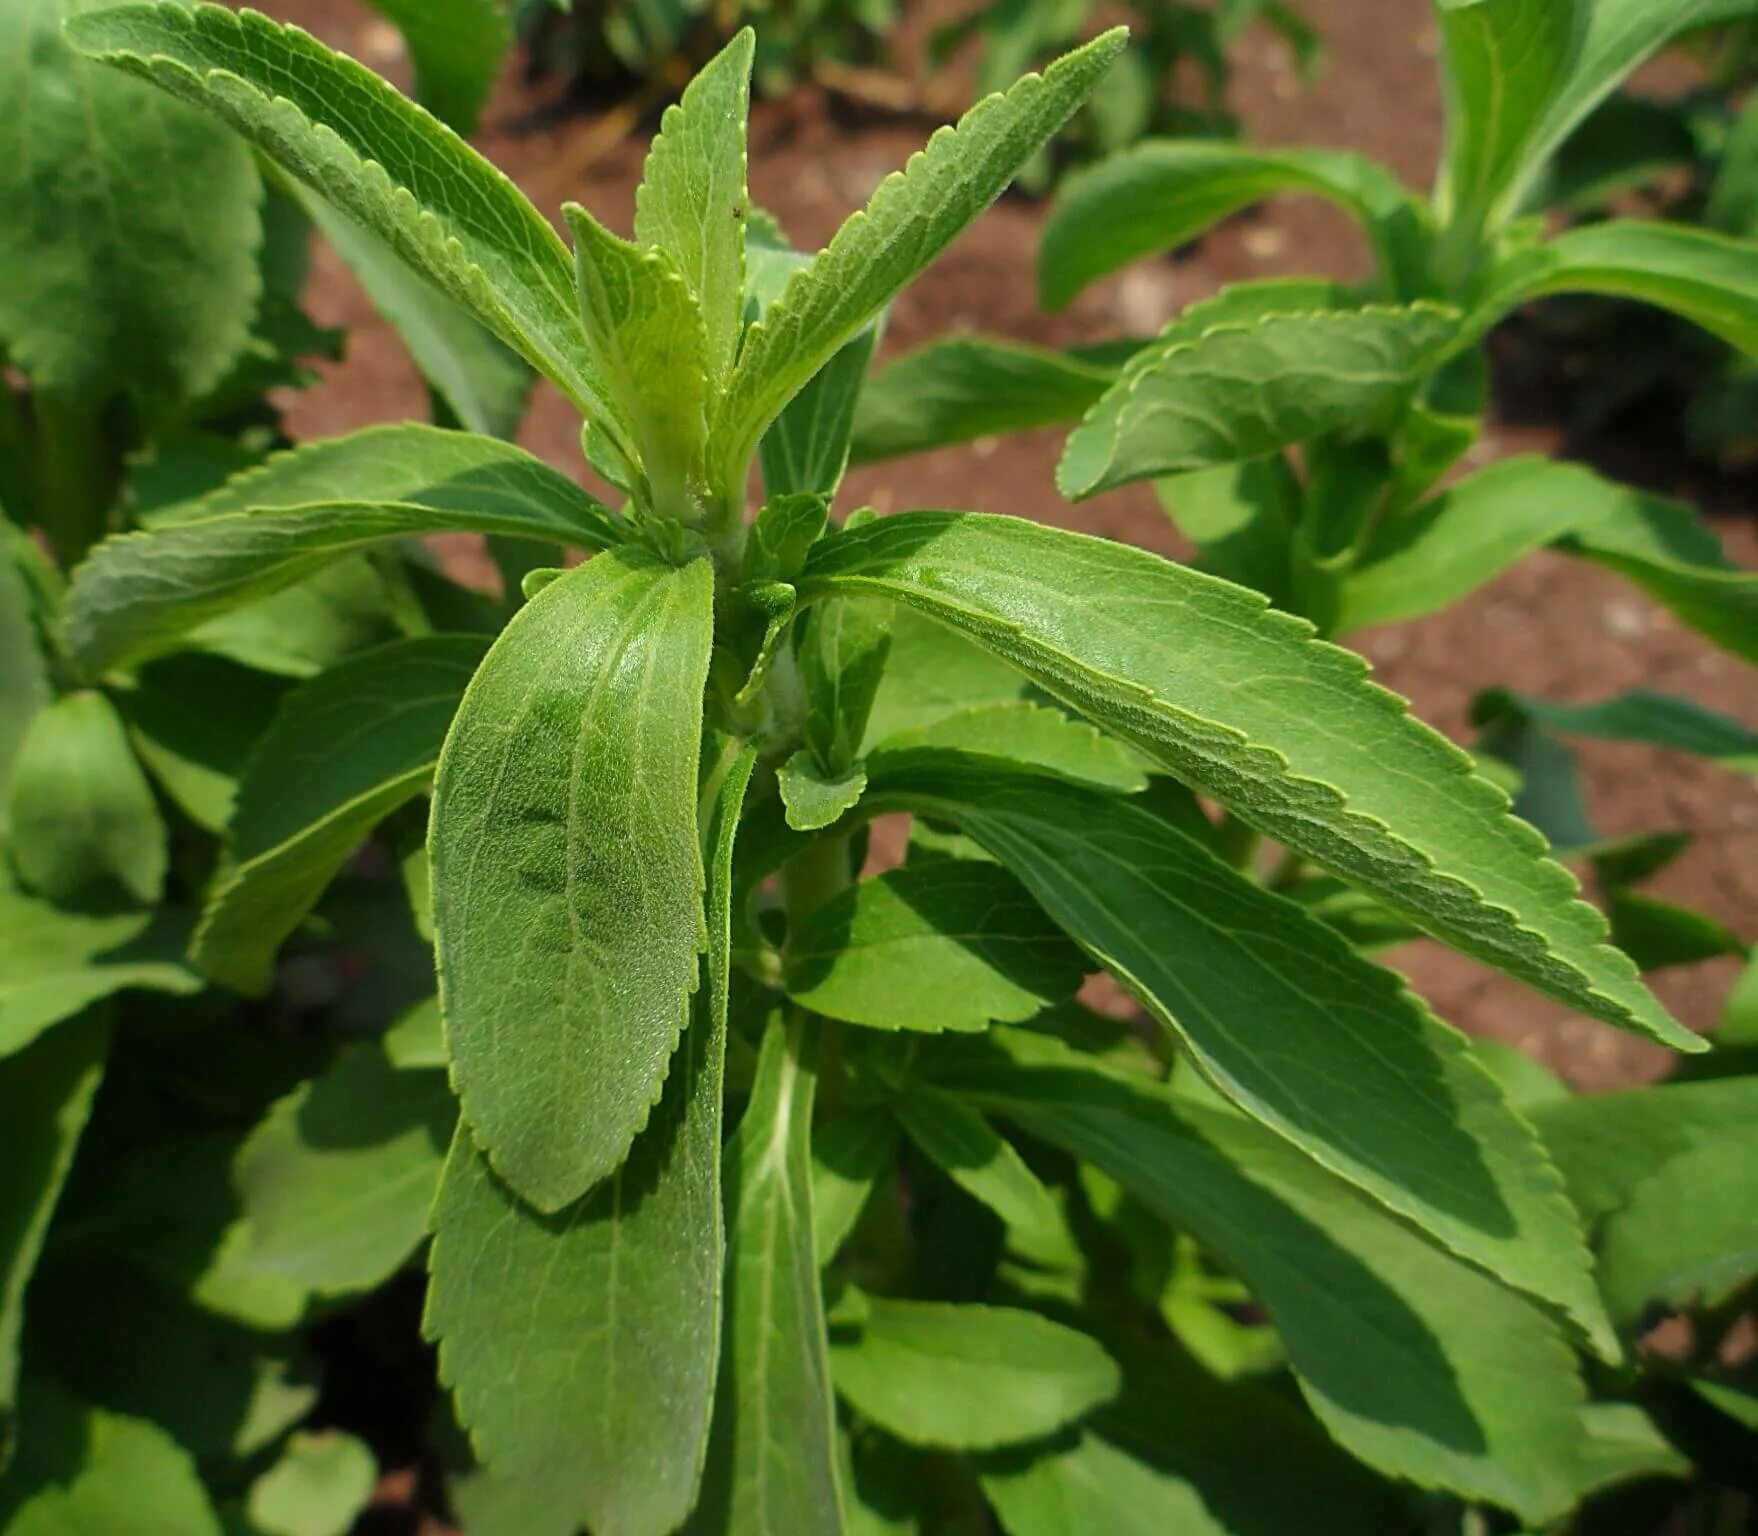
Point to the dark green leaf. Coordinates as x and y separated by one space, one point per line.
1651 719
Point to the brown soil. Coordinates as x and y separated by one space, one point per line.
1552 628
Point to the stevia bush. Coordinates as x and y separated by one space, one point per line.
766 1197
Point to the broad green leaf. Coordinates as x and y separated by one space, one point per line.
618 1298
82 1472
1087 1484
85 826
646 332
567 879
1651 719
344 751
334 125
1689 1233
337 1179
138 595
1040 737
483 383
1164 193
1241 517
1198 674
54 963
772 1464
1416 1363
1239 391
300 630
692 203
1311 1040
933 948
913 216
21 664
968 1377
46 1095
932 673
842 654
970 387
814 798
457 47
318 1486
849 1154
1709 279
983 1163
1623 1445
131 230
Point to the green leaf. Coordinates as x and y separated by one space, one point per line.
1650 719
807 447
691 203
1416 1363
46 1096
21 663
1241 517
849 1154
83 1472
1238 391
337 1179
132 226
567 877
1311 1040
646 332
85 826
605 1406
932 673
1042 738
344 751
318 1486
457 47
976 1157
968 1377
1708 279
1658 934
913 216
842 654
482 381
54 963
816 799
1087 1484
1623 1445
932 948
969 387
772 1464
138 595
1162 194
300 630
351 138
1222 692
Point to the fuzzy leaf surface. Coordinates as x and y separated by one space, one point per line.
567 878
1377 796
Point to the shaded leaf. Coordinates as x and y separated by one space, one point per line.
457 47
318 1486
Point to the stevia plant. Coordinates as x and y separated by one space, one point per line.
785 1200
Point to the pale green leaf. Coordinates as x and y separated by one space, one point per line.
1623 1445
1416 1363
1086 1485
932 948
334 125
344 751
337 1179
567 879
1222 692
931 672
85 826
816 799
849 1155
1162 194
131 229
457 47
1238 391
21 664
1709 279
983 1163
772 1467
82 1472
54 963
138 595
1314 1042
46 1096
317 1487
300 630
1035 735
417 1038
968 1377
913 216
1651 719
691 203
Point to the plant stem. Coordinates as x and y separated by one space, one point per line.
810 879
77 474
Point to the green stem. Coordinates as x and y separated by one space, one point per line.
810 879
78 471
1238 842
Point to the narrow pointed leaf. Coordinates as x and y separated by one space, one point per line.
1311 1040
1164 193
913 216
1457 1383
139 594
334 125
457 47
1241 391
21 663
567 880
343 753
1377 797
976 1157
583 1347
1650 719
772 1466
691 203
